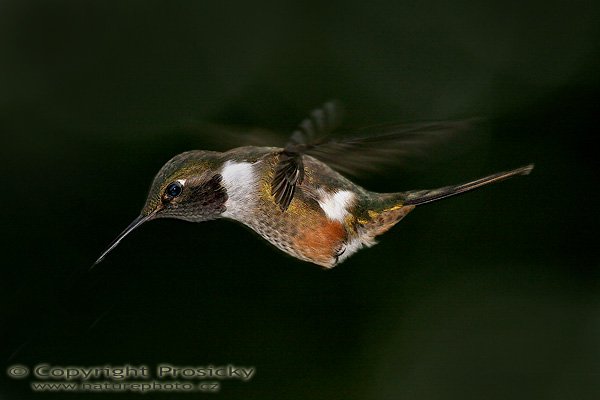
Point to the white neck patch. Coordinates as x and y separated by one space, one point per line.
335 205
241 182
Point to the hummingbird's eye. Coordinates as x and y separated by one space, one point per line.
174 189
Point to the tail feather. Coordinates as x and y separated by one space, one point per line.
427 196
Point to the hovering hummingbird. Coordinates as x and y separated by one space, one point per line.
294 197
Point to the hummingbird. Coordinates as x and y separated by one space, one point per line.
295 196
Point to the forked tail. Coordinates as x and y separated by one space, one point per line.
427 196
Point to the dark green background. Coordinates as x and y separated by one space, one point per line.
489 295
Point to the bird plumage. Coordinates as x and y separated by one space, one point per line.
294 200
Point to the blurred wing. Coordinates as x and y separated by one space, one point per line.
225 137
311 132
366 151
373 148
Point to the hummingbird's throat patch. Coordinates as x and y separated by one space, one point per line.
241 182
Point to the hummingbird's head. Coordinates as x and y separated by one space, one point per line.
188 187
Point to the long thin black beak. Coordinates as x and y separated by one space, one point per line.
136 222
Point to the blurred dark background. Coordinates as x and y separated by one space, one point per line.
494 294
